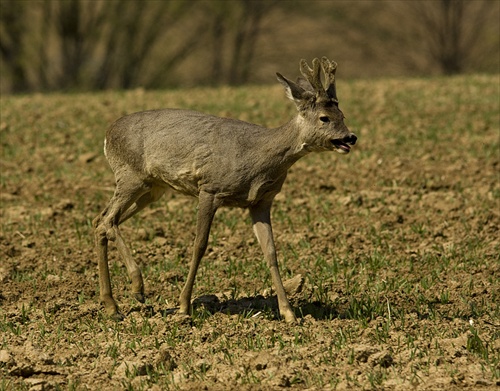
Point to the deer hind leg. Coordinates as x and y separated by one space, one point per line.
152 196
105 294
261 219
207 207
106 229
133 270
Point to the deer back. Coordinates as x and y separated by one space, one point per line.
191 151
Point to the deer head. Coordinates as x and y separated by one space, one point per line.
320 119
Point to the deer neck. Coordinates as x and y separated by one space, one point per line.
288 141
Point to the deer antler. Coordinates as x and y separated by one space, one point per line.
313 76
329 68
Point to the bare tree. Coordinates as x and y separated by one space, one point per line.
78 44
236 27
12 33
78 26
135 31
451 29
245 39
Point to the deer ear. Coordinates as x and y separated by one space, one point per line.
301 82
292 90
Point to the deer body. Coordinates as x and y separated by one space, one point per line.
238 162
222 162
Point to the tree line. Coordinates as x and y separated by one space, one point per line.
94 45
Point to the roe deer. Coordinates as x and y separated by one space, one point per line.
223 162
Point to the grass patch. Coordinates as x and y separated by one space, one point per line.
398 244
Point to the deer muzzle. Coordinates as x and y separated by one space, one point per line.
343 145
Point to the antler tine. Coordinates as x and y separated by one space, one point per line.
329 69
312 75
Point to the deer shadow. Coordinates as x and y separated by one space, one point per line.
247 306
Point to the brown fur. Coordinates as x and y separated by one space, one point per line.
222 162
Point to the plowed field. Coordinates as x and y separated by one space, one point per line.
397 245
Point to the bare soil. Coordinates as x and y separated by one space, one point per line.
391 255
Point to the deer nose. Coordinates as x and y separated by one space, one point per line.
351 139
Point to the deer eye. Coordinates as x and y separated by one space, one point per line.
324 119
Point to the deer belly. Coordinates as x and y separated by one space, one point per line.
183 181
251 194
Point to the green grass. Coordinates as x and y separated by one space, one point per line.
398 243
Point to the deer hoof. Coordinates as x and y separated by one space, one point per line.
290 318
139 297
184 310
117 317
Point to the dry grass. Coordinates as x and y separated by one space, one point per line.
398 242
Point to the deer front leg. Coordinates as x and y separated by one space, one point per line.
261 219
206 211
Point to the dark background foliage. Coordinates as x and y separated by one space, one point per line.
93 45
